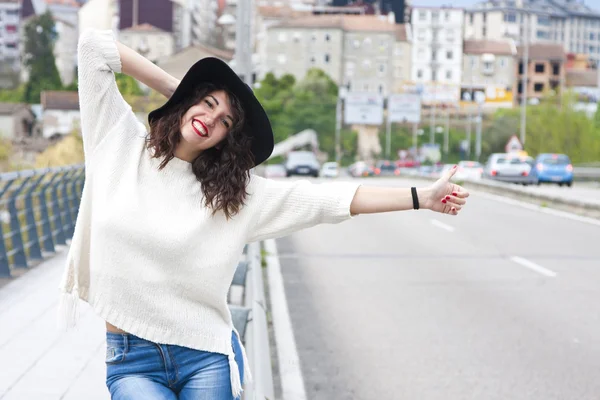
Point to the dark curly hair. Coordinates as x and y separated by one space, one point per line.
224 170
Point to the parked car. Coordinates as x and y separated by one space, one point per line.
302 163
330 170
553 168
361 168
469 170
385 167
275 171
508 168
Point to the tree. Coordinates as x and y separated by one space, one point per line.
597 116
128 85
12 96
40 37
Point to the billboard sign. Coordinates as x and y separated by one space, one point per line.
363 108
405 107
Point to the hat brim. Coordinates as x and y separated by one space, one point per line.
216 71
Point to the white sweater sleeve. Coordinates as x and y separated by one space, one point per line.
284 207
100 101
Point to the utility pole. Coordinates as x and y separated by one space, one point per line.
525 80
243 40
136 13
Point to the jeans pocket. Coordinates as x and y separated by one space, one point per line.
115 354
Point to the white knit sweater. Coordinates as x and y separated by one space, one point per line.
146 254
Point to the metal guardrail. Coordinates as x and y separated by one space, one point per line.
586 173
38 210
251 323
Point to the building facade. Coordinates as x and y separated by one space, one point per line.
489 68
10 43
99 14
437 53
571 23
149 41
356 51
546 71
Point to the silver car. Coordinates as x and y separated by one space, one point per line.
508 168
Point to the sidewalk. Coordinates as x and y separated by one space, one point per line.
37 361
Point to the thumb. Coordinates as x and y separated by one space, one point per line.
450 173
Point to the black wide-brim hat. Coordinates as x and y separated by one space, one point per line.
213 70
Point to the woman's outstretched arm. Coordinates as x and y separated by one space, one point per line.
443 196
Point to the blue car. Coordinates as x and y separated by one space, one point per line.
552 168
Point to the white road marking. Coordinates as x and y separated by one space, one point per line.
534 207
442 225
533 266
292 382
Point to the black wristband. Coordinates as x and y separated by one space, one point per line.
413 190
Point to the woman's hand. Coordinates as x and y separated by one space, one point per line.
444 196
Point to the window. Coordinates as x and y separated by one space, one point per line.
327 37
313 60
380 89
366 86
367 42
471 19
543 35
327 58
447 16
521 69
349 68
556 69
314 37
433 55
420 73
282 37
281 59
538 87
421 35
435 16
520 88
382 68
367 64
356 43
11 45
398 51
484 17
539 68
484 31
449 55
420 54
510 17
448 74
422 15
543 20
592 36
11 29
297 36
502 63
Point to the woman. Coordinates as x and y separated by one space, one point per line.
165 214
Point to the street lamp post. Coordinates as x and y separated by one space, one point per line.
525 82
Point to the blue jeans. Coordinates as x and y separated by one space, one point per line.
137 369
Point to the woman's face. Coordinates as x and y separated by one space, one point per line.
207 123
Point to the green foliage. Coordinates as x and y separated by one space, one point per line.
40 37
128 86
553 126
12 96
307 104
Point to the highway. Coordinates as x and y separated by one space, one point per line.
500 302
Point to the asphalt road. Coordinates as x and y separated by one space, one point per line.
498 303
